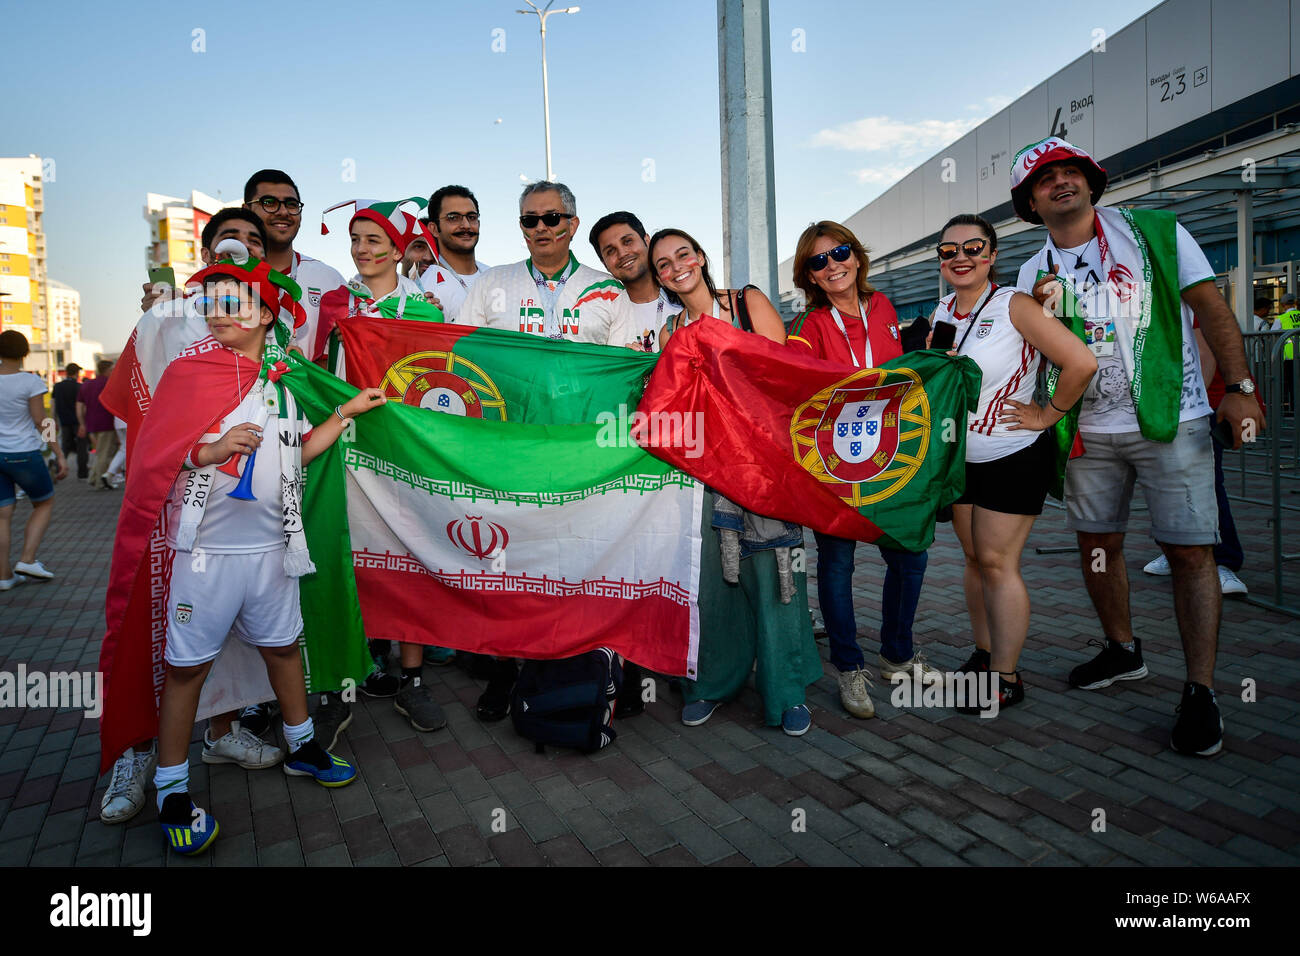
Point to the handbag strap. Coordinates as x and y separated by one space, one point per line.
993 288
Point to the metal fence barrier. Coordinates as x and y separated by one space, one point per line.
1268 468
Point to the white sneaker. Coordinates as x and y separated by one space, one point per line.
915 669
1158 566
34 569
242 747
853 692
1229 583
13 582
124 797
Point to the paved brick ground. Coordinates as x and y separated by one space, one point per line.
921 787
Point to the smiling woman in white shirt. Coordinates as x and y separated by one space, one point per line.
1010 451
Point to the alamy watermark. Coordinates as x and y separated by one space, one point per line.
79 690
949 690
652 430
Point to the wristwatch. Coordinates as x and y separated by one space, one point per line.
1245 386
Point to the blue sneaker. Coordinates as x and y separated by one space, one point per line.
311 760
796 720
188 831
698 711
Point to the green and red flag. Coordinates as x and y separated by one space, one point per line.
793 437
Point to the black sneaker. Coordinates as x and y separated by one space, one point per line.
258 718
978 661
630 702
380 683
1010 693
1199 730
415 702
333 714
494 704
1112 664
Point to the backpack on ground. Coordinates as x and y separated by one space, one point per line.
569 702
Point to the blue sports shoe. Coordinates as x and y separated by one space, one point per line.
188 831
311 760
698 711
796 720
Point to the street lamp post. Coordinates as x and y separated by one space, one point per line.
542 14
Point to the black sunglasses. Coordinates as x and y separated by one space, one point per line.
820 261
972 248
551 219
273 203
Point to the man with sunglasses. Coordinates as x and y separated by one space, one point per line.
550 293
454 220
274 198
1140 278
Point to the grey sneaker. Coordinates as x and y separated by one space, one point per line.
915 669
124 797
333 714
853 692
241 746
416 704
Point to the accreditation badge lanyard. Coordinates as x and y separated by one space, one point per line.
548 290
974 313
866 334
1100 343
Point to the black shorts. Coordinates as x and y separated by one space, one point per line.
1016 484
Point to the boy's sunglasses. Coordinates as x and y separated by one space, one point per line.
820 261
551 220
210 305
972 248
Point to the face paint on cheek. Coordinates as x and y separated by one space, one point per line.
561 234
377 259
247 323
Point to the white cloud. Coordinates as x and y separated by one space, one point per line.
904 140
884 175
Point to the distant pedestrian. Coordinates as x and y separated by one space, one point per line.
65 411
97 422
22 412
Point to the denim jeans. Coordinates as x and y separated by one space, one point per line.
905 571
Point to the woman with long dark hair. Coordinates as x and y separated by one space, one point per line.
753 602
1010 451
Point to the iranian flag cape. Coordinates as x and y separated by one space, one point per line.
793 437
192 398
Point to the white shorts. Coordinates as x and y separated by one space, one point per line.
213 594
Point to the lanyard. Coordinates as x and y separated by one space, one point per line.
866 354
549 289
975 313
456 275
372 305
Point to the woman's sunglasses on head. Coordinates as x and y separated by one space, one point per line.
550 220
972 248
820 261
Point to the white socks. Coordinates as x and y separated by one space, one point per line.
295 735
169 780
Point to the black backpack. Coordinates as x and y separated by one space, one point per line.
569 702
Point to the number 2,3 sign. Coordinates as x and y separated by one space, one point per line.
1174 86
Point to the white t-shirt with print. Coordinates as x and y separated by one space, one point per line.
1108 402
233 525
652 315
449 286
17 430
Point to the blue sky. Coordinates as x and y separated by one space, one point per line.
411 93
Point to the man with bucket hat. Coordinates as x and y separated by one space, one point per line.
1129 282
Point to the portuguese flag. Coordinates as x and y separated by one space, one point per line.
493 374
793 437
525 523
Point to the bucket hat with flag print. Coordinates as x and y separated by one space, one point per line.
400 226
1036 157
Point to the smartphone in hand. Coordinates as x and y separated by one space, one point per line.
945 334
164 274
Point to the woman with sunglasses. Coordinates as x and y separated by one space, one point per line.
1010 450
746 621
850 323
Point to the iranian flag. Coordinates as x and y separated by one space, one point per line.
797 438
522 523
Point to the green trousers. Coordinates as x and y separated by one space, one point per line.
741 623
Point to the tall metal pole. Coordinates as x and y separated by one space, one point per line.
542 14
546 103
748 194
